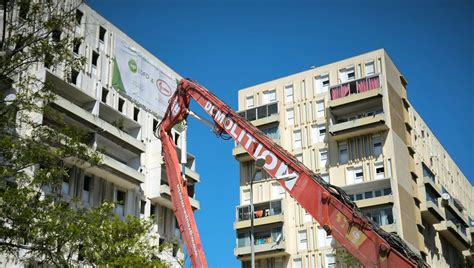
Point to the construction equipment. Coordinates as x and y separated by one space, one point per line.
329 205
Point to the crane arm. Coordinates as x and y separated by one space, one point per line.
327 204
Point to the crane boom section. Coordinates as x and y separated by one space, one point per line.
322 201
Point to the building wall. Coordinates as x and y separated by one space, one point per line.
391 179
132 169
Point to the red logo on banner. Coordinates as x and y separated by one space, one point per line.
163 87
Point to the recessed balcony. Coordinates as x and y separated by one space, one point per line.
269 241
265 213
83 98
266 250
355 91
93 122
119 120
358 126
454 234
261 115
431 212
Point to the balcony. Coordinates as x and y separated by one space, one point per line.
355 91
81 97
119 120
452 211
267 249
429 182
454 234
376 201
265 213
165 198
93 122
431 212
261 115
358 126
268 241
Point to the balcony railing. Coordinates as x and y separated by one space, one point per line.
260 112
263 237
261 210
355 87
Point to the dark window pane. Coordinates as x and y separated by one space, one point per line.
272 109
262 112
251 114
369 194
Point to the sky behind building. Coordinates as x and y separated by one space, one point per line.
229 45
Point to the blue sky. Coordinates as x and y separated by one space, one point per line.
229 45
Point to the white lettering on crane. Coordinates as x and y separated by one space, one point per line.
273 160
274 166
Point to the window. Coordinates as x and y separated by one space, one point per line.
105 93
121 103
355 175
76 47
321 83
120 206
271 131
75 77
24 9
152 211
246 197
323 157
289 93
142 208
95 58
377 145
86 189
330 260
277 191
320 108
297 263
249 101
136 113
379 171
318 133
269 96
369 68
381 216
321 133
79 16
343 153
302 240
297 139
56 35
346 74
102 32
290 116
323 239
65 186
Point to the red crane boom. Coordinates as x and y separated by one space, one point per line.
327 204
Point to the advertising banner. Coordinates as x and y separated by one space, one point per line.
143 81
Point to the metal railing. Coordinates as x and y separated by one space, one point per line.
355 87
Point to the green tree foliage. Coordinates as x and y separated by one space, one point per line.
36 222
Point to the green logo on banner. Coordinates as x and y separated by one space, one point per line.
132 65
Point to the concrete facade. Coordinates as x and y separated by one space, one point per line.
351 122
132 169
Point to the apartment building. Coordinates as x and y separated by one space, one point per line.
351 122
132 170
